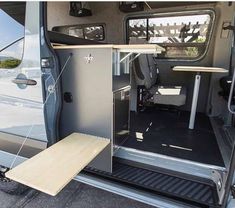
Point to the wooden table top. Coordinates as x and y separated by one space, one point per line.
134 48
200 69
52 169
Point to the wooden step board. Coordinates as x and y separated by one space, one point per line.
52 169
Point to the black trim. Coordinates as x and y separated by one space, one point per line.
28 151
56 37
177 186
53 128
229 180
82 26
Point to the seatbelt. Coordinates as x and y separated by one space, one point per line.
151 68
232 52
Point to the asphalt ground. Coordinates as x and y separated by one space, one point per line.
74 195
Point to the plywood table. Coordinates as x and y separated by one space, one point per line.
133 48
52 169
127 50
198 71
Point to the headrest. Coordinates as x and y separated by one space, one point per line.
135 40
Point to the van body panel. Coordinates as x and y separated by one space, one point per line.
22 108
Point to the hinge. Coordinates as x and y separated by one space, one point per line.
47 62
3 170
233 190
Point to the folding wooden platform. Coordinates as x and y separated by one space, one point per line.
52 169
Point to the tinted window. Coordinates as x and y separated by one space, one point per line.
90 31
183 36
12 17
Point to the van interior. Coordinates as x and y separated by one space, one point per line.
172 125
153 128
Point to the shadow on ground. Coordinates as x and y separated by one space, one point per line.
74 195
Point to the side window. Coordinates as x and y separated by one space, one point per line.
183 36
12 18
88 31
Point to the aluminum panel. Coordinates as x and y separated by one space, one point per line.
88 80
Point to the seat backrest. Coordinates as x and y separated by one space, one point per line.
145 70
56 37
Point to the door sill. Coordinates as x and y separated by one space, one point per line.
167 162
182 187
130 192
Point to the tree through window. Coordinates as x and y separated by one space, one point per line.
183 36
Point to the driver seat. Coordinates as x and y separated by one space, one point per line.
146 75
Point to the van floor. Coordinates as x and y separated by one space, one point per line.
167 133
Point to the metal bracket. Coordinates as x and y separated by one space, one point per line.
229 27
233 190
3 170
126 56
219 177
47 62
51 89
136 56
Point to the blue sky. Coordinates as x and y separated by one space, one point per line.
10 30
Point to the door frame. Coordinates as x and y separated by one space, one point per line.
53 106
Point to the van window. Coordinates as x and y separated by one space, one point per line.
183 36
12 18
87 31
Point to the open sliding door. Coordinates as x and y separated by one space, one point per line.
86 121
21 95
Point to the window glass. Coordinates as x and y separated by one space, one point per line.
138 28
12 55
12 17
76 32
94 33
183 36
90 32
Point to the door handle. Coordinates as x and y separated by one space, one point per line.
23 81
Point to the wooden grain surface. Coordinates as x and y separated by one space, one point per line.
200 69
52 169
149 48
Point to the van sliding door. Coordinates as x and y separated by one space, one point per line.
21 96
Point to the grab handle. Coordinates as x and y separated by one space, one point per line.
231 94
24 81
